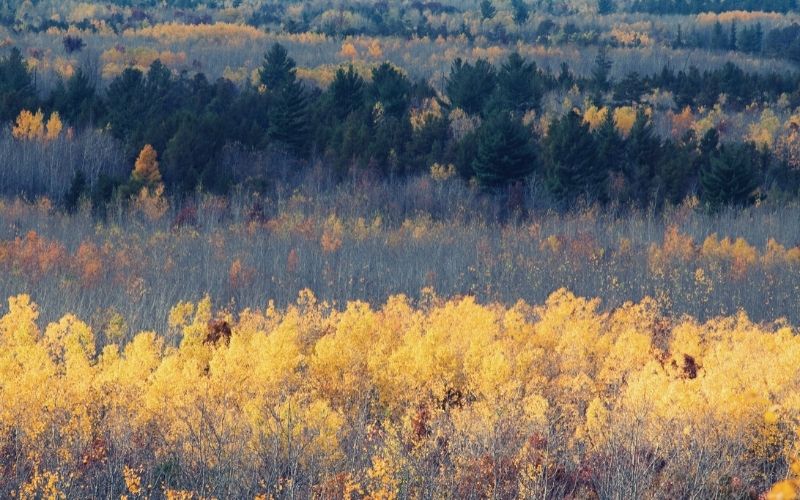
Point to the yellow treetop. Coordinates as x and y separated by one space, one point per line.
146 168
28 125
32 126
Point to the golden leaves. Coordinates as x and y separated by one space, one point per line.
482 383
32 127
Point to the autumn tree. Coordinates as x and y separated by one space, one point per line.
145 170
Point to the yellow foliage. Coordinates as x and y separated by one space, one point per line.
595 116
348 51
763 132
28 125
145 170
442 173
311 387
624 118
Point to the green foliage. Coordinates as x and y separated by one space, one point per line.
505 151
17 91
643 153
488 11
391 89
520 87
469 86
347 92
730 177
520 11
601 73
573 168
77 101
278 70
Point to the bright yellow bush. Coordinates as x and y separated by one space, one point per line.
544 387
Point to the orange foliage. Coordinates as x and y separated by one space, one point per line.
240 275
33 255
89 264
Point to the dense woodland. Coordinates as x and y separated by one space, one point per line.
389 125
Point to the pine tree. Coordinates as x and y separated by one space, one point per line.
573 169
488 11
601 73
730 178
77 101
504 151
17 91
288 110
643 154
127 103
630 89
347 92
718 39
391 89
605 7
521 12
518 86
469 86
278 70
610 146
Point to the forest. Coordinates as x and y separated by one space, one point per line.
366 249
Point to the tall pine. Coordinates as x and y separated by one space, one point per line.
573 169
504 152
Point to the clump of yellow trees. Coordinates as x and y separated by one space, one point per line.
442 397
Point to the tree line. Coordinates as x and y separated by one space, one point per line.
389 125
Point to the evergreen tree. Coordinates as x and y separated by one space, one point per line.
391 89
521 12
676 173
630 89
288 112
17 91
519 88
278 70
127 103
488 11
347 92
76 100
469 87
730 178
605 7
643 150
718 39
573 168
601 72
610 146
504 151
678 43
732 39
288 118
565 77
